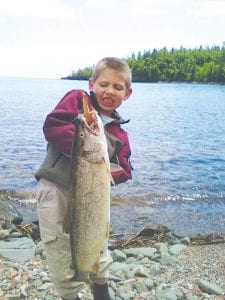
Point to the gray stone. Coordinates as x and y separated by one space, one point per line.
210 288
12 297
167 294
175 249
119 267
148 252
16 234
18 250
167 259
4 233
155 269
149 283
39 249
185 240
10 213
118 255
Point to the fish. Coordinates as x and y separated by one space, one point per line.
88 218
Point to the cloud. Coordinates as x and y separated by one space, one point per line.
150 8
209 8
94 3
45 9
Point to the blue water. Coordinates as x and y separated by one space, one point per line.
177 136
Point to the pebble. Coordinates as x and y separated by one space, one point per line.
162 272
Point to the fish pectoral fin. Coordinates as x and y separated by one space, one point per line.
66 225
112 180
109 173
95 268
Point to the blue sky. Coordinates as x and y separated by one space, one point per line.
51 38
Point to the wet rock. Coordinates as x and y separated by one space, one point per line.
4 233
8 212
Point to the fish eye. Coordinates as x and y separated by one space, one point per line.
82 135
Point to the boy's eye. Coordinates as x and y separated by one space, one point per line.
118 87
103 84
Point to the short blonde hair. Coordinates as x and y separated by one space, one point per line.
115 64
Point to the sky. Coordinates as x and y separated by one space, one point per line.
52 38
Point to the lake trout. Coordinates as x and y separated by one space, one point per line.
89 207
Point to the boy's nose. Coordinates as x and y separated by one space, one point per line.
110 90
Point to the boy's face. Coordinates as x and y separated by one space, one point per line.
110 90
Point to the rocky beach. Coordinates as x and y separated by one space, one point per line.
151 264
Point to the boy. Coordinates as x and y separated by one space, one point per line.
109 85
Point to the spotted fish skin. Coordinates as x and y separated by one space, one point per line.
89 206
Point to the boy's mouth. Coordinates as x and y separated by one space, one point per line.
107 102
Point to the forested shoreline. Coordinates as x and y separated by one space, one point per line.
203 65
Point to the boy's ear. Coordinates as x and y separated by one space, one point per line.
90 84
128 93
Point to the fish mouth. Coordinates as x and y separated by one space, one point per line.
92 128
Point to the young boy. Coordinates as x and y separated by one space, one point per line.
109 85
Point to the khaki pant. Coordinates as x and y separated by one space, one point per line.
52 204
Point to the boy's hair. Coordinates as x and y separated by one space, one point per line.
115 64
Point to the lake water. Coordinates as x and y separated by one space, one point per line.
177 136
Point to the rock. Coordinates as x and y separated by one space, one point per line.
118 255
175 249
155 269
167 294
210 288
12 297
148 252
4 233
16 234
9 213
39 249
185 240
17 249
167 259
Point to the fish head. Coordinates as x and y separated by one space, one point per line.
92 140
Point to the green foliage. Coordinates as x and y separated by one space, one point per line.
179 65
80 74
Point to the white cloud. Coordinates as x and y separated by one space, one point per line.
54 37
209 8
94 3
48 9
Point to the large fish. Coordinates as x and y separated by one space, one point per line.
89 207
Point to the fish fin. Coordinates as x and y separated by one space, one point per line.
95 268
66 225
111 179
109 172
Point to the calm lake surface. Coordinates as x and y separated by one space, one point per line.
177 136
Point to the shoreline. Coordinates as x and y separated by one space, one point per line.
206 218
152 264
178 278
